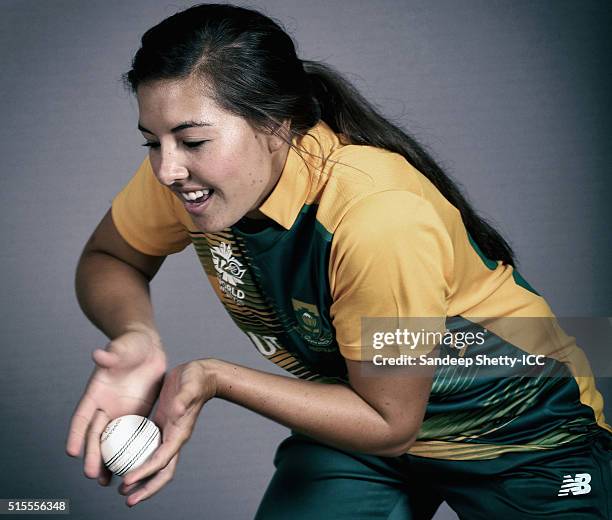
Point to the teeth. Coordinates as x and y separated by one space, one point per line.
193 195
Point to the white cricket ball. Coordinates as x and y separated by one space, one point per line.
127 442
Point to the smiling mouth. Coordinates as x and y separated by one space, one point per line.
196 197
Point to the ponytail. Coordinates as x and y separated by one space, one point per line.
347 112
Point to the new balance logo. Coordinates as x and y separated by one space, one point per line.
578 485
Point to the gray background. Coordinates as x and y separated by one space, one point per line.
512 97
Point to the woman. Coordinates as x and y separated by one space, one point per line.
323 228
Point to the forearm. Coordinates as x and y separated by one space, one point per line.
114 295
331 413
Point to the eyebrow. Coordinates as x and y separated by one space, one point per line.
178 128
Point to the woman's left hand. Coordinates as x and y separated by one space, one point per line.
185 390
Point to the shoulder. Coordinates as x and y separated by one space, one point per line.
392 224
368 169
377 189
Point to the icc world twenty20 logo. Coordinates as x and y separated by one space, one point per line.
229 271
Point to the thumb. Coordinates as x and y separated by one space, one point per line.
104 358
159 459
188 400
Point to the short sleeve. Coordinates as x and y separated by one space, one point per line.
391 257
146 215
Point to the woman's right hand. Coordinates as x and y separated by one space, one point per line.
126 380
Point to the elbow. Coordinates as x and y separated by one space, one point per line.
397 448
396 451
80 275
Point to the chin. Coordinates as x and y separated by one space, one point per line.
212 225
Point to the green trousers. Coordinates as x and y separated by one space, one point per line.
315 481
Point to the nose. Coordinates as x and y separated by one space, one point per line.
170 168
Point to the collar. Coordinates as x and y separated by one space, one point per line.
306 156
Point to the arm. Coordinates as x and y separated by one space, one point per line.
112 282
112 288
377 414
380 414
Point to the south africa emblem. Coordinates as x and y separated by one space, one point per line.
310 326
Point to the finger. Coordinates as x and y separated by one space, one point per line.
152 486
105 477
78 426
126 490
104 358
93 459
158 461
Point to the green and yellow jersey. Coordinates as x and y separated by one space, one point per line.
357 232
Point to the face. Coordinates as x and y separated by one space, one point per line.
215 163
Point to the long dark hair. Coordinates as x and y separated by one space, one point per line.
251 68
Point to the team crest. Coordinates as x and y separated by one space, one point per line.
229 271
310 326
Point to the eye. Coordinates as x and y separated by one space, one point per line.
194 144
151 144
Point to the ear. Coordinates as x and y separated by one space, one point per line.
279 136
